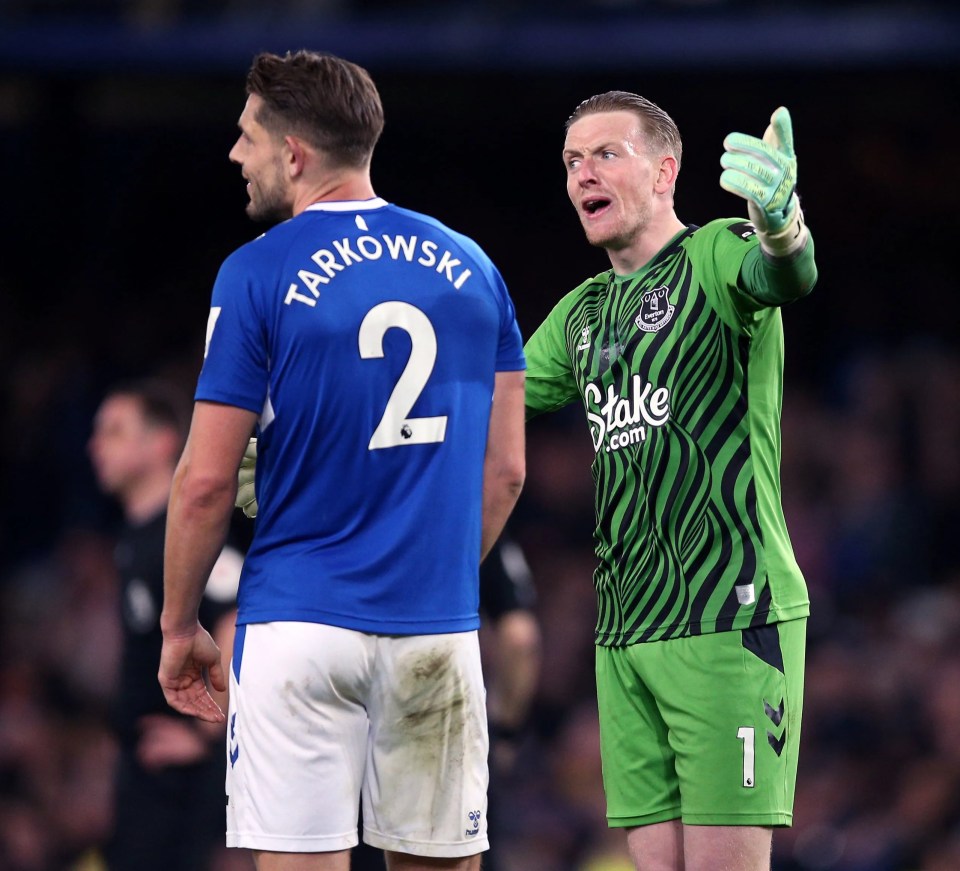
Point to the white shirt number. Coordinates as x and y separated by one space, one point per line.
395 427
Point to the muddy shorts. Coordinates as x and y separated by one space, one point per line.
322 718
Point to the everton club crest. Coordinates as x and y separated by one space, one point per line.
655 310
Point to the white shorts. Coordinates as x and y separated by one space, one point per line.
321 717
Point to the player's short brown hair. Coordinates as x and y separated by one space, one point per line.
658 127
330 103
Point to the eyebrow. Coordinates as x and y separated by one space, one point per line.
601 147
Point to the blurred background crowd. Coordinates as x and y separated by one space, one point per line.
119 204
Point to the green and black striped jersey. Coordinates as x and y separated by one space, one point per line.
680 375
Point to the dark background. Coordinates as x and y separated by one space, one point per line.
119 204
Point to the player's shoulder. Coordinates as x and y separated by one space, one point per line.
257 250
439 228
588 287
723 231
571 299
262 258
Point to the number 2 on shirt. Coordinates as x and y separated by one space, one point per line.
395 427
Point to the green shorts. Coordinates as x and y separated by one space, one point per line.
703 729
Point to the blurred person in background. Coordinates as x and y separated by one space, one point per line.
677 355
169 785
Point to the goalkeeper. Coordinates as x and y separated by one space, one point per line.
676 353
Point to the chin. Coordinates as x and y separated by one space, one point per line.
598 240
268 215
588 231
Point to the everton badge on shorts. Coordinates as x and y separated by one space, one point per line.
655 310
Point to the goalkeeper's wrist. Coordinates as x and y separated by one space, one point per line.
787 243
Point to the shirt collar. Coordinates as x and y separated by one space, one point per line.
347 205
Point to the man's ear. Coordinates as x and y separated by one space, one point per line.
294 155
667 174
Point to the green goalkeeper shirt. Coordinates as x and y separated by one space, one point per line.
679 370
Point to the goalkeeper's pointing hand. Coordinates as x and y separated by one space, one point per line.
764 173
246 491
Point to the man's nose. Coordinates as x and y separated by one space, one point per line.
585 173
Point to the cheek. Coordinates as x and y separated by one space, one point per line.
633 202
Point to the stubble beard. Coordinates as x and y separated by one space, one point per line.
269 204
610 240
271 209
620 237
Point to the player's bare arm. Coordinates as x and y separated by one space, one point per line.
201 500
504 467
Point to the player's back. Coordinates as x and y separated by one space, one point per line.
380 332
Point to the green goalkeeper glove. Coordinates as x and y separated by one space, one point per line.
246 494
764 173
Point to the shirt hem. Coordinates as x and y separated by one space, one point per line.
685 630
244 402
373 627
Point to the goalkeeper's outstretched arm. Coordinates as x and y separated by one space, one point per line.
764 172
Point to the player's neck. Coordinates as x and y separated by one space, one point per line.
646 246
339 187
148 497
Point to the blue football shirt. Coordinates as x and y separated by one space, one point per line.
367 337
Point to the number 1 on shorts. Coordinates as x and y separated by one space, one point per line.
746 734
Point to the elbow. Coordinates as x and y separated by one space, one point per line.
200 493
516 487
504 479
514 475
811 282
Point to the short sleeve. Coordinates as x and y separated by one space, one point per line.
235 367
550 379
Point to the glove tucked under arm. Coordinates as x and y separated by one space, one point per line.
246 477
764 173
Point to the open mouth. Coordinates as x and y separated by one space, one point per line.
595 205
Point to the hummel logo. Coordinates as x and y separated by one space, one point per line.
776 717
234 746
777 743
